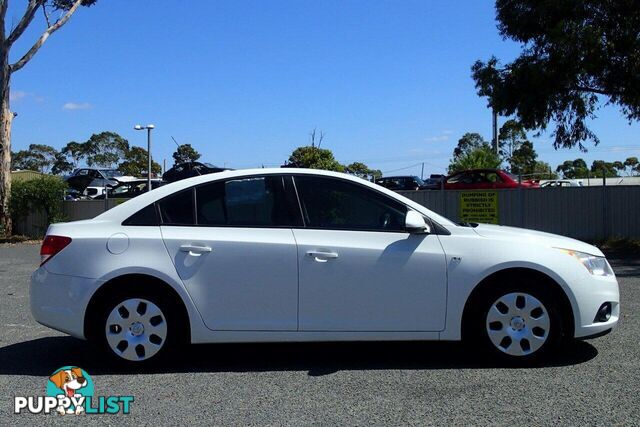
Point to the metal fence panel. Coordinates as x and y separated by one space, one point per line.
587 213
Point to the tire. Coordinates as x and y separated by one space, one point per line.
137 327
520 323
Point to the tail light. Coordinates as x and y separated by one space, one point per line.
51 245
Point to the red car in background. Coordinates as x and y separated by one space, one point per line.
485 179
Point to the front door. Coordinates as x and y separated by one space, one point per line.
359 269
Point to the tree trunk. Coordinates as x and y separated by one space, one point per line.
6 117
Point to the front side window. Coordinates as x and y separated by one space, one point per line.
246 202
337 204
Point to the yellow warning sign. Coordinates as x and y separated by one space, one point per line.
479 206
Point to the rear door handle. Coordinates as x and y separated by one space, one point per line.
321 256
195 250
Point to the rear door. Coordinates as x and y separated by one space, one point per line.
233 247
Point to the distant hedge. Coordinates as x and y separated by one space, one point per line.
45 193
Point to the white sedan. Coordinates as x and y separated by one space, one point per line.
306 255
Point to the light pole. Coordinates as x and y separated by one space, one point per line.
148 128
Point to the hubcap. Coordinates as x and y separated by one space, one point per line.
518 324
136 329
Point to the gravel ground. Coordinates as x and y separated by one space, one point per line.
594 382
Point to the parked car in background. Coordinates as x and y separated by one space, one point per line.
485 179
408 182
93 192
82 178
561 183
434 182
130 189
190 169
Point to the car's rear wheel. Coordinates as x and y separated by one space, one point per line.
137 327
521 323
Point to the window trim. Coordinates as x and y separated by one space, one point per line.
288 180
195 204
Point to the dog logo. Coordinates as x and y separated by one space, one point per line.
71 385
70 391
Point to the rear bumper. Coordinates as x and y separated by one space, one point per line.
59 301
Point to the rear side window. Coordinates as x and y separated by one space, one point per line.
146 216
247 202
177 209
341 205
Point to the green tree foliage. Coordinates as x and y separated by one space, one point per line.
135 163
482 157
631 166
542 170
312 157
105 149
609 169
512 135
574 169
523 160
38 157
469 142
66 4
61 165
185 153
576 55
45 193
75 152
363 171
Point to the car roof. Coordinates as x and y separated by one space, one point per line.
479 170
125 210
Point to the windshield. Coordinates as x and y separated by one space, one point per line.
512 176
418 180
110 173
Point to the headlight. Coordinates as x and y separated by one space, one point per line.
597 265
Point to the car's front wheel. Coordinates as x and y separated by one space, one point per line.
520 323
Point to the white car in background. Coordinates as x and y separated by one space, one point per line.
306 255
555 183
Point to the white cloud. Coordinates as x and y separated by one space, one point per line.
77 106
443 136
16 95
437 138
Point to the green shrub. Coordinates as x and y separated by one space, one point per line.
45 193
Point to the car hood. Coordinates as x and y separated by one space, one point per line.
524 235
125 178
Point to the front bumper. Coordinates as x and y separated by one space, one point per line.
592 294
60 301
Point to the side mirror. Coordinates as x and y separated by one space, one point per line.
415 224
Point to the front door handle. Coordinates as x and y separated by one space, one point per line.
321 256
195 250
